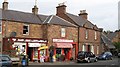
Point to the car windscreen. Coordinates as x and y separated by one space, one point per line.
81 53
4 58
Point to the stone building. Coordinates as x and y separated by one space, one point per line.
88 33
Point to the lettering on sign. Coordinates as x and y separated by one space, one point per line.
62 40
20 39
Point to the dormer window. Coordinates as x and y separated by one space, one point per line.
25 29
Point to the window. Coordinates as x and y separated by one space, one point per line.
92 49
62 32
26 29
97 49
95 35
83 48
86 34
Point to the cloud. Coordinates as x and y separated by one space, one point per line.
103 13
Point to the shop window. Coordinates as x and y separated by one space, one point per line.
95 35
58 50
26 29
86 34
63 32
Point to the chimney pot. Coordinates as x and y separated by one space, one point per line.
5 5
83 14
61 9
35 10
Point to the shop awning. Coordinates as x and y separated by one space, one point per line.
44 47
63 45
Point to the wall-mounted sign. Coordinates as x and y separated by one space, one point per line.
32 40
62 40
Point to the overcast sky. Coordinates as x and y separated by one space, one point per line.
103 13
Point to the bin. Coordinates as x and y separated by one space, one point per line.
25 61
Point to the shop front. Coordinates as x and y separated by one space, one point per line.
28 46
63 47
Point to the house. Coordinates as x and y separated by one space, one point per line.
62 35
22 32
114 36
27 33
107 43
89 35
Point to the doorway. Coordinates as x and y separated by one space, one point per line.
89 48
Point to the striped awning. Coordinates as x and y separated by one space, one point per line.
63 45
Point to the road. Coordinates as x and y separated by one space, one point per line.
101 63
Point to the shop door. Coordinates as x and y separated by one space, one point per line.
89 48
30 51
66 51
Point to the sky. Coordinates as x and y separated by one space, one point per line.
103 13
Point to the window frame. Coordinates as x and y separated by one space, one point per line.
63 32
27 33
95 35
86 34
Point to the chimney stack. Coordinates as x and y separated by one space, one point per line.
35 10
5 5
61 8
83 14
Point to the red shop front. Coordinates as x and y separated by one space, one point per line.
64 47
27 46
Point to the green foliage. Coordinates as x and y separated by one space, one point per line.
117 45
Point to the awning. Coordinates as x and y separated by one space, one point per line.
44 47
63 45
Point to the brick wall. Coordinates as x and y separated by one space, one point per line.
54 31
35 30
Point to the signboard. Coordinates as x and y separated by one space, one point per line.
62 40
29 40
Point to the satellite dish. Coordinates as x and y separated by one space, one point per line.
13 34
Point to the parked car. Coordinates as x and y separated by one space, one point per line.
105 56
118 55
5 61
86 56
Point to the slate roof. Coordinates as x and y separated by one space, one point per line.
107 41
53 19
79 20
112 35
22 16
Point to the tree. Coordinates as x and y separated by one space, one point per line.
117 45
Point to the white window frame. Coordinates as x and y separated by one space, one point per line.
92 49
86 34
95 35
83 47
97 49
27 33
63 32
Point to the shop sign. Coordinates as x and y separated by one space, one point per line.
34 45
62 40
28 40
20 40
